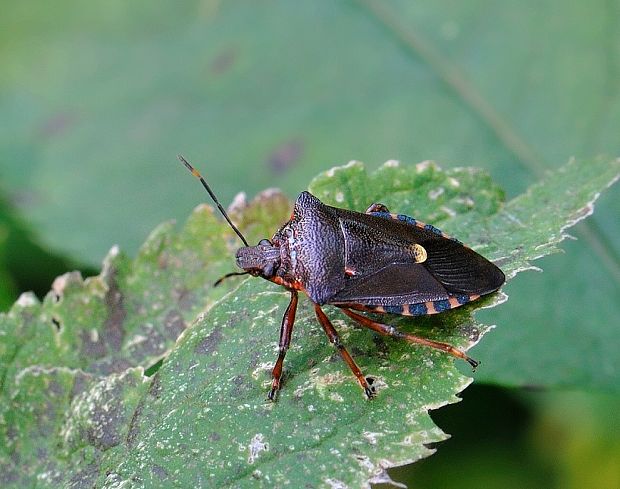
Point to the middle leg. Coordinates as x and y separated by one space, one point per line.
334 339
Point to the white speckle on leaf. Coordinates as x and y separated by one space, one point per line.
447 210
37 370
391 163
339 197
423 166
379 383
61 283
454 182
433 194
27 299
336 484
372 437
114 481
94 336
514 219
334 396
256 446
466 201
365 462
239 202
259 371
320 382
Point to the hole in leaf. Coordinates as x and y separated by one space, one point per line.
152 370
56 322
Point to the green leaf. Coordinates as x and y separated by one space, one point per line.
87 138
76 409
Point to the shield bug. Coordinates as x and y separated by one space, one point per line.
376 262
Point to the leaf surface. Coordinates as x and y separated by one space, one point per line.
77 410
88 137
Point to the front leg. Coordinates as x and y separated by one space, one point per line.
286 330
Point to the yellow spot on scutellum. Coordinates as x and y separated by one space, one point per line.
419 253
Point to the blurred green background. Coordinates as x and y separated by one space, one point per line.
97 98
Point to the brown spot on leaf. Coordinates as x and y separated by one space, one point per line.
92 346
240 384
81 382
160 472
184 297
57 124
8 475
85 478
155 387
285 155
223 61
209 343
110 365
162 261
113 328
133 431
109 417
174 324
145 343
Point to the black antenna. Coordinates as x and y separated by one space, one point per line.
228 275
206 186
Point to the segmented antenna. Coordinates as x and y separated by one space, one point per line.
206 186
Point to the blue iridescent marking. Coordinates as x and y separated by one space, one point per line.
407 219
442 305
418 309
462 299
393 309
433 229
415 222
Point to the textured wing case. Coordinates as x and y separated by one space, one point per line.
382 267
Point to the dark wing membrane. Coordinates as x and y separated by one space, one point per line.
460 269
378 252
395 284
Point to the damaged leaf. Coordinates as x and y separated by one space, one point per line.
77 410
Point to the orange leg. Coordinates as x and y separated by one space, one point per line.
334 339
286 330
387 330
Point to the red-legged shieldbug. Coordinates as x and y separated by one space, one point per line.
375 261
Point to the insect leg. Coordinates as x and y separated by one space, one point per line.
387 330
334 339
286 330
377 208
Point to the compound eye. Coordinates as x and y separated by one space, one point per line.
264 242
